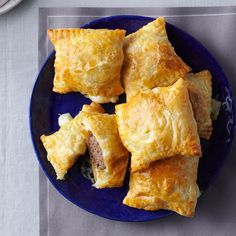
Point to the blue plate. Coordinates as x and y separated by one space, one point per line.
46 105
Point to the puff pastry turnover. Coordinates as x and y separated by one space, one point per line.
109 158
200 93
88 61
166 184
65 146
157 124
150 60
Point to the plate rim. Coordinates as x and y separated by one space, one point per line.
36 151
9 6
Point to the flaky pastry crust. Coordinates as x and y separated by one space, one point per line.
159 123
167 184
104 128
88 61
65 146
200 93
149 59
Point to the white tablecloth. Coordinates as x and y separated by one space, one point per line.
19 195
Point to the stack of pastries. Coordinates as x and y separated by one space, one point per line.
167 111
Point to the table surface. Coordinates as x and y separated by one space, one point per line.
19 195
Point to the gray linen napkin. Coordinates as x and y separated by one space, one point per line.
215 28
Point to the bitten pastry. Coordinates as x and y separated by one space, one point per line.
200 93
108 156
150 60
158 123
166 184
88 61
65 146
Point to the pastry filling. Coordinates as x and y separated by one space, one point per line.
95 152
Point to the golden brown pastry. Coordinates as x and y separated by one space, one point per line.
200 93
108 156
157 124
65 146
150 60
166 184
215 108
88 61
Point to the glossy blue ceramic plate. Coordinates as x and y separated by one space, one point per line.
46 105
